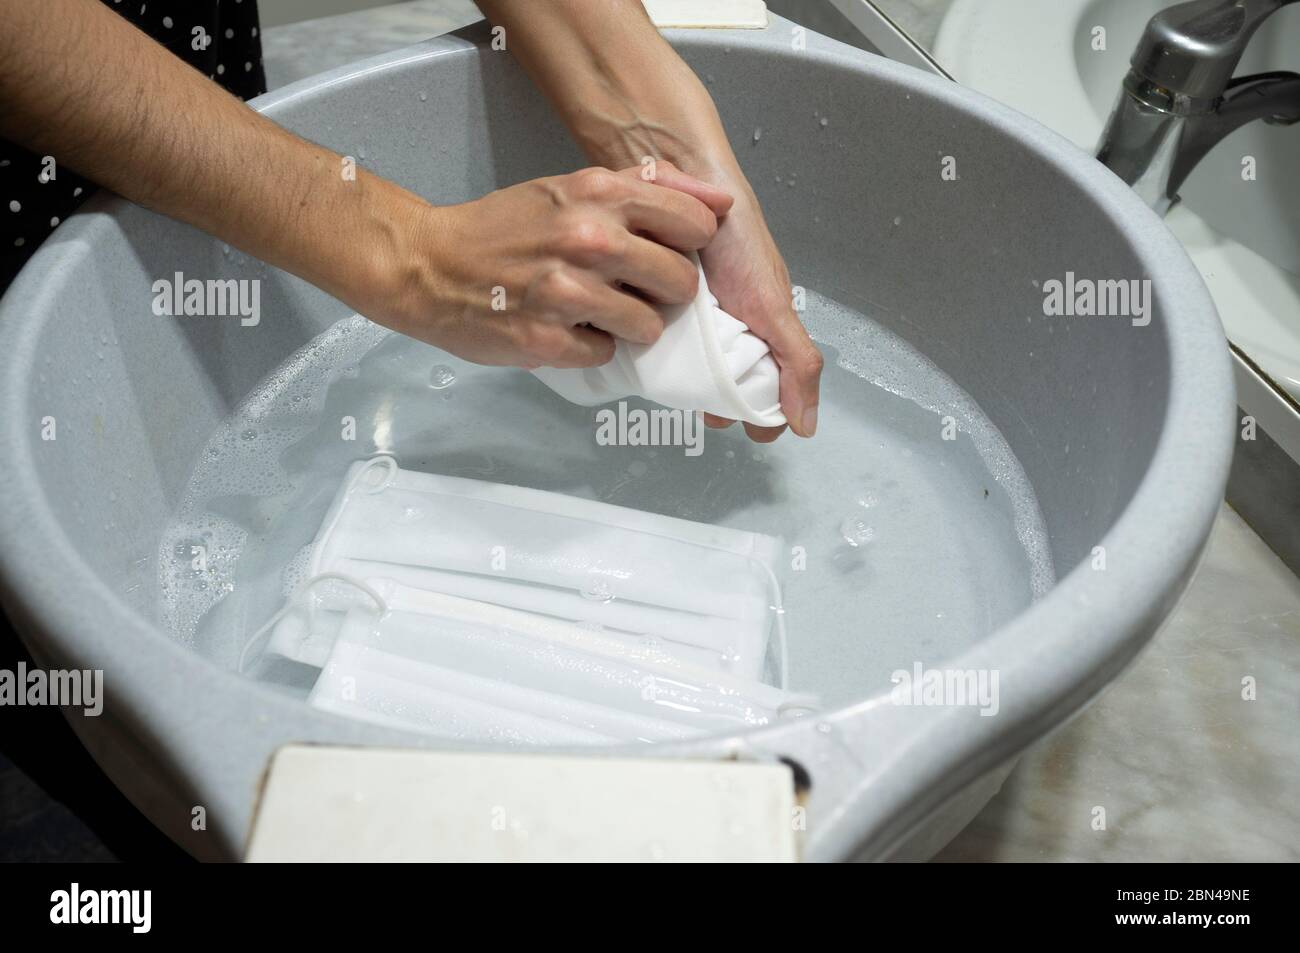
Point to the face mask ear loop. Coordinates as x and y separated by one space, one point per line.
782 645
385 458
795 705
295 603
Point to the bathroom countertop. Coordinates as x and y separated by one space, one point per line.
1183 764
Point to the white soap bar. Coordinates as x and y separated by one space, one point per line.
708 14
324 804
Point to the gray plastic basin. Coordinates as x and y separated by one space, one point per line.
1146 411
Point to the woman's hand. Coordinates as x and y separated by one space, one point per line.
551 271
626 95
748 277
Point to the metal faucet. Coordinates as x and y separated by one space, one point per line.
1180 99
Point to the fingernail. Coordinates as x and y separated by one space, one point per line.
810 421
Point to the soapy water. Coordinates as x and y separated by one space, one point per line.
901 546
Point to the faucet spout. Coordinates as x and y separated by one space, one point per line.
1179 98
1192 50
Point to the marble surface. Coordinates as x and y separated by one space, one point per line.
1183 765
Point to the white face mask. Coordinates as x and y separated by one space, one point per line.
705 360
473 672
435 596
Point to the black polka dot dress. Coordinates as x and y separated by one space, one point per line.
220 38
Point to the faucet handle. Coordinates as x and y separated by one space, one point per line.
1192 49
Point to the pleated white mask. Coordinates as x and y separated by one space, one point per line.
708 591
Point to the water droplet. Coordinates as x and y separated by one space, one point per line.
249 435
855 531
598 590
441 376
824 121
423 96
758 134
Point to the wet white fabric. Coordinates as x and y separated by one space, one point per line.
464 670
705 360
708 594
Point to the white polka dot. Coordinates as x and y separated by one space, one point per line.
19 242
167 22
3 163
54 222
254 31
248 67
15 205
76 192
229 33
143 7
221 69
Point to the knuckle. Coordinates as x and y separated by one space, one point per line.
586 241
559 290
597 185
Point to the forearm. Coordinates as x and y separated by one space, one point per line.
620 88
81 84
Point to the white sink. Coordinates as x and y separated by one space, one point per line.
1243 235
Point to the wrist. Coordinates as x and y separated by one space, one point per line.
374 253
655 106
